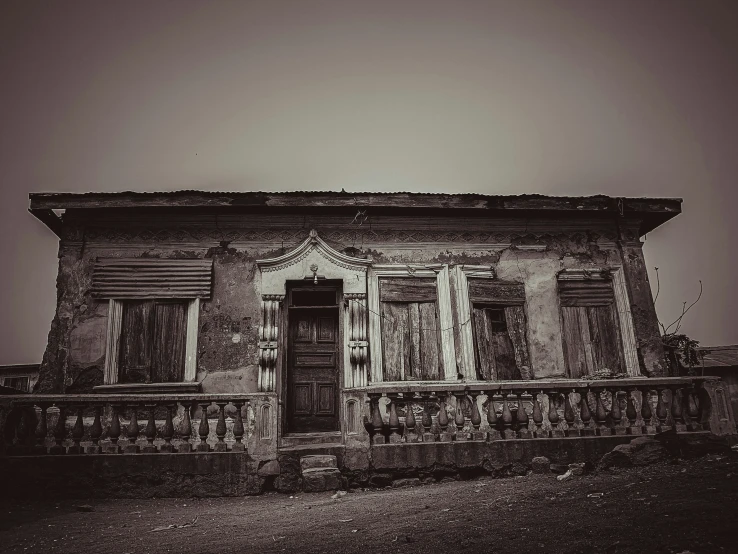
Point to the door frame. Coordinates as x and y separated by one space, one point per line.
282 377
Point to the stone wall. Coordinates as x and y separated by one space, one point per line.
135 476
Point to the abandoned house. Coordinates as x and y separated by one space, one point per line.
323 340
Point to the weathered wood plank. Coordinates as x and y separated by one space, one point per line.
430 341
571 334
415 342
493 291
517 329
168 352
395 339
507 368
408 290
483 346
606 344
135 342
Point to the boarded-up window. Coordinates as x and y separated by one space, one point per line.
590 327
498 316
18 383
152 341
411 334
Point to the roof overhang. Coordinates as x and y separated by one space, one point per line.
652 212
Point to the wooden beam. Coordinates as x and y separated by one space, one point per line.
48 218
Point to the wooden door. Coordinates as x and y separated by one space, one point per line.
312 372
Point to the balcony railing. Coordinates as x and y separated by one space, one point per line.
136 423
428 412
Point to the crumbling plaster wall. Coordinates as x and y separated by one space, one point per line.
229 321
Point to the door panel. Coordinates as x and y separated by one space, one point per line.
312 370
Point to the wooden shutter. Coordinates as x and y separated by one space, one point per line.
152 343
496 292
500 343
495 353
411 336
591 292
134 365
141 278
170 324
590 327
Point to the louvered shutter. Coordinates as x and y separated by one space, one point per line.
140 278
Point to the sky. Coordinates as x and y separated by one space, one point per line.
627 98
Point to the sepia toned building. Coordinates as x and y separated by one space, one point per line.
329 339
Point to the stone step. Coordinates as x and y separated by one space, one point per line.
309 439
319 461
321 479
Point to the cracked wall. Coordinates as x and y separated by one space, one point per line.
531 252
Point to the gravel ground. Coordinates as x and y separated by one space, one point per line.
690 506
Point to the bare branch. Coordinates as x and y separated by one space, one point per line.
658 286
678 321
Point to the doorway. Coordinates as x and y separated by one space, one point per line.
312 359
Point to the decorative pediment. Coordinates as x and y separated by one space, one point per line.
313 258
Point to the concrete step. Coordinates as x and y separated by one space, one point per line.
321 479
317 461
310 439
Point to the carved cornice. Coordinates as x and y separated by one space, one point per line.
314 242
521 239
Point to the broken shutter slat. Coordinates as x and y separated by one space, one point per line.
507 369
415 342
493 291
430 343
130 278
408 290
484 347
516 327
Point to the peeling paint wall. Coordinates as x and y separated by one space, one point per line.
531 252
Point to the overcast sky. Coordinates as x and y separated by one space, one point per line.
627 98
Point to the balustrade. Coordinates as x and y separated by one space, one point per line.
553 409
398 413
92 424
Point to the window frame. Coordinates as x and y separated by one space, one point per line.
6 378
445 314
461 275
622 308
113 335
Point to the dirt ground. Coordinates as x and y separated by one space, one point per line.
689 506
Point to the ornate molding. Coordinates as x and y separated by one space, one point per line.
268 343
314 242
529 239
358 343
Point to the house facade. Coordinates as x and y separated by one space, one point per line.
365 326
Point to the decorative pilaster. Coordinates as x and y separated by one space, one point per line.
358 344
268 335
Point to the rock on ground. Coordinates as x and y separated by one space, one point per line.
641 451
